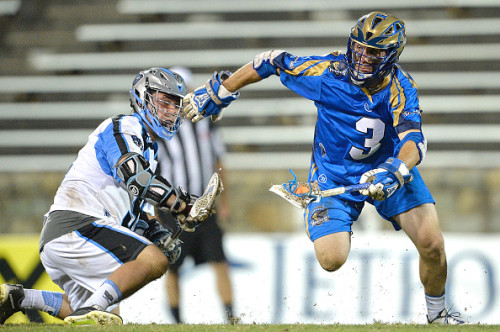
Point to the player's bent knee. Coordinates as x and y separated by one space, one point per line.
330 263
156 261
332 250
432 249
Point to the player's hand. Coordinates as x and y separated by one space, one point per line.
161 238
386 179
209 100
204 205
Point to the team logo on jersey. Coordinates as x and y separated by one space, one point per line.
319 216
292 63
339 68
407 113
137 141
367 107
322 178
323 150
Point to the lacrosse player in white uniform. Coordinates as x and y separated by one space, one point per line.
99 242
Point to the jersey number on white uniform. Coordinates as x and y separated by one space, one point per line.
373 143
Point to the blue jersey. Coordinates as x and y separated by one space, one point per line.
355 130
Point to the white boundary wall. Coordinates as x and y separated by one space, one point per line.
277 280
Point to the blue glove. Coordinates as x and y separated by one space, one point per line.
209 99
386 179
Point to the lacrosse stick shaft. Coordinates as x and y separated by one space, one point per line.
342 190
173 237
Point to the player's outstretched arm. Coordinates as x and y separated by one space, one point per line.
222 89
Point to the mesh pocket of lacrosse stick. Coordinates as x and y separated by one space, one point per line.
300 194
299 189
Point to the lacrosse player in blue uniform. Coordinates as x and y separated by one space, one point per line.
99 242
368 130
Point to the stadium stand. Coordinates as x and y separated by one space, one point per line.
85 73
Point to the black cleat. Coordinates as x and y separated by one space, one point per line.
11 297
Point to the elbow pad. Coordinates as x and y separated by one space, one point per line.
263 63
135 173
420 141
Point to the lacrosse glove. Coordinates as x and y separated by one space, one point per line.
160 237
182 217
209 99
386 179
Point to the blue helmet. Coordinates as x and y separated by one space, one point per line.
143 94
378 31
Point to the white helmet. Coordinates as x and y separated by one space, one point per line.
143 93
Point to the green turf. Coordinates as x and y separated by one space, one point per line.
245 328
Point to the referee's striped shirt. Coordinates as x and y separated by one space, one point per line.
189 158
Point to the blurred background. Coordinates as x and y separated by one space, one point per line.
67 65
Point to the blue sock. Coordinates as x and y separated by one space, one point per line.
49 302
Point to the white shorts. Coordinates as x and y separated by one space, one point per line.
80 261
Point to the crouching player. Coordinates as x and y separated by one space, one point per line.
99 242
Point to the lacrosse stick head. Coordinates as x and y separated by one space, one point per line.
299 194
204 205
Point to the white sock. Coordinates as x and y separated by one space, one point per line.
106 295
435 304
49 302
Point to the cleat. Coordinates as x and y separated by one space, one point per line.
234 320
92 316
11 297
446 318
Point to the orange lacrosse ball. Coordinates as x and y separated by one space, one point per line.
302 190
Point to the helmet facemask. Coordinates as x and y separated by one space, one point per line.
373 48
368 65
164 110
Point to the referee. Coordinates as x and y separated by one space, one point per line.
189 160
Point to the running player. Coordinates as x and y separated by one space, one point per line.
368 130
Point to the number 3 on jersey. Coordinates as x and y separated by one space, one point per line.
371 144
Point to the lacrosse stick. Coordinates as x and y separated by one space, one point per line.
300 194
202 208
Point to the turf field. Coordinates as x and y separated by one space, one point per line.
245 328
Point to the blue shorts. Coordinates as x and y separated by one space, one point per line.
337 213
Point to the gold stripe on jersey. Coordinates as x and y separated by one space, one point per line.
310 68
314 169
397 99
413 83
369 92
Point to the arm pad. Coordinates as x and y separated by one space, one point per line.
135 173
420 141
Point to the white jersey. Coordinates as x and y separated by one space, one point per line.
92 186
